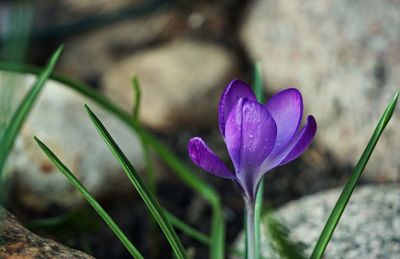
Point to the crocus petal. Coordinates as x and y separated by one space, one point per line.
259 133
205 158
233 92
287 109
304 140
250 135
294 148
233 133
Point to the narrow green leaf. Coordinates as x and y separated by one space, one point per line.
258 83
165 153
141 187
151 179
195 234
15 38
344 198
137 98
198 185
92 201
186 229
259 91
18 118
69 223
281 242
257 215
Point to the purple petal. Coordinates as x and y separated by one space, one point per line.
303 141
287 109
203 156
250 135
294 148
233 92
233 133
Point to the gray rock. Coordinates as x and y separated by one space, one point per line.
59 120
18 242
344 56
88 55
180 81
368 227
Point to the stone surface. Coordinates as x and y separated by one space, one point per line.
18 242
180 81
88 55
59 120
66 12
368 227
344 56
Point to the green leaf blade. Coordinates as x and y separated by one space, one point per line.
19 116
281 242
259 91
217 247
92 201
137 98
140 186
344 198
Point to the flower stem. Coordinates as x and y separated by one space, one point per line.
250 233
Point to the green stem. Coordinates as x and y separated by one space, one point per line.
250 233
257 217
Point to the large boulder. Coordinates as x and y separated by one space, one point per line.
59 120
344 56
180 81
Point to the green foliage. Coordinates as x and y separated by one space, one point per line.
140 186
216 240
18 118
280 241
344 198
259 91
92 201
167 155
71 223
137 98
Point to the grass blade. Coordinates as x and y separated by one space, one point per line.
77 184
281 242
337 211
141 187
151 178
23 109
188 230
137 98
259 91
166 154
195 234
193 181
258 83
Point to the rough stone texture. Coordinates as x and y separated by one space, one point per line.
344 56
88 55
59 120
180 82
368 227
18 242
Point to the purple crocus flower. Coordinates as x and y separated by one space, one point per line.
258 137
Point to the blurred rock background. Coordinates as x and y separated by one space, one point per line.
342 55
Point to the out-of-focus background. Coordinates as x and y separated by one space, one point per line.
344 56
